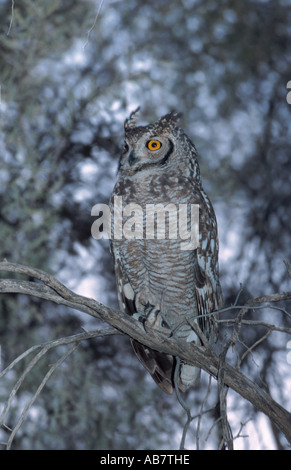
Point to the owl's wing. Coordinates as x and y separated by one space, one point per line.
207 285
159 365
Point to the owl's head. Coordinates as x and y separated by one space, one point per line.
156 146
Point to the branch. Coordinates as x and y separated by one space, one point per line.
39 389
44 348
199 356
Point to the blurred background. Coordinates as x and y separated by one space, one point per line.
68 81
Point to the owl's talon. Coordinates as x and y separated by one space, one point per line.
138 316
148 308
141 318
144 324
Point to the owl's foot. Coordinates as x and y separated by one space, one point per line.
183 330
149 315
154 317
141 318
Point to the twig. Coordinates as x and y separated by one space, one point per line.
38 391
270 326
202 412
11 19
58 342
44 348
19 382
256 307
227 438
242 425
251 348
238 294
94 24
217 421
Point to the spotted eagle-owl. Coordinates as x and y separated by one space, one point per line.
156 279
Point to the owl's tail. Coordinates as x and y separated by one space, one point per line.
162 368
158 364
189 376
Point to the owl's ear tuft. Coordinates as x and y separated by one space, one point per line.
170 119
130 122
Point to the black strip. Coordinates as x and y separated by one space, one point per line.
132 159
166 157
160 162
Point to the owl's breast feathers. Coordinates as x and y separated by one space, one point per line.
182 284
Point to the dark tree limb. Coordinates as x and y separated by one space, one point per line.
199 356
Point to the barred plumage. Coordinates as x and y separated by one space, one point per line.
155 277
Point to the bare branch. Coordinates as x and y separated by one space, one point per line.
59 342
202 411
199 356
251 348
270 326
94 24
44 348
38 391
12 16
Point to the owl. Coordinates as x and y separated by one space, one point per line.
161 284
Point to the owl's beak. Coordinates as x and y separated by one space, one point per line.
132 158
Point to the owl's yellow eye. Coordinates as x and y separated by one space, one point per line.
154 145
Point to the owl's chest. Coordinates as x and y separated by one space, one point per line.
162 189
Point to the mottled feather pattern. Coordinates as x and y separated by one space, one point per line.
156 279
